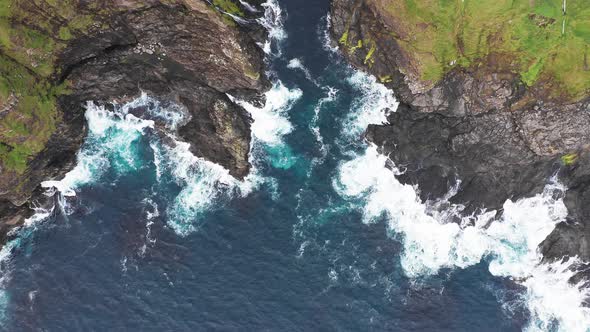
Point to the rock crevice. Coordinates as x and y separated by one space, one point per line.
182 51
480 125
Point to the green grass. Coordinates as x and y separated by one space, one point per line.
33 33
530 76
27 128
525 36
29 45
229 7
569 159
369 57
65 33
344 38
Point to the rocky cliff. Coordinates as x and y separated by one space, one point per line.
56 55
493 95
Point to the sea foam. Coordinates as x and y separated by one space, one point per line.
113 144
331 94
431 241
273 20
371 107
271 124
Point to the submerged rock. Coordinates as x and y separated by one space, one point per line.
480 121
187 52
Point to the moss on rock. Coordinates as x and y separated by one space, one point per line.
536 39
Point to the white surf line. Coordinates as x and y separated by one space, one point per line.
372 107
109 146
331 96
273 22
248 6
431 241
237 19
325 36
271 122
6 253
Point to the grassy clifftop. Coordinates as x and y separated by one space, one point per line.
544 41
32 35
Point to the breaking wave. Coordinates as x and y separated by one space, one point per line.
372 107
298 64
117 140
111 143
273 20
431 241
248 6
20 238
271 124
331 94
115 143
324 34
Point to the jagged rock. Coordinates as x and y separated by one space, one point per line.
183 51
479 125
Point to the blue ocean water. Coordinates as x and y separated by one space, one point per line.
157 239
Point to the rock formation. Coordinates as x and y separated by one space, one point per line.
485 99
55 56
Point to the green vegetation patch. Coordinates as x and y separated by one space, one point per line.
532 38
32 34
369 57
385 79
569 159
229 7
344 39
30 117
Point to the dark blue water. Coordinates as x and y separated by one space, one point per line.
292 255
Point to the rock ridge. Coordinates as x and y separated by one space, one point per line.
188 52
480 125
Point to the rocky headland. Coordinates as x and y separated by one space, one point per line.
57 55
493 95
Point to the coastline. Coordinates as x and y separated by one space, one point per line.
481 132
148 48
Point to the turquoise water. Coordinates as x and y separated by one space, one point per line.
320 236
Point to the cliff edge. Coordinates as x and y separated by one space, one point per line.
494 95
57 55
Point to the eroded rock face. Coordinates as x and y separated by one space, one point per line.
481 126
191 57
184 52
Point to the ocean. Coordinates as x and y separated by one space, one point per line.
320 236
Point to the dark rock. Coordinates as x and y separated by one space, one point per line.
480 126
182 52
483 152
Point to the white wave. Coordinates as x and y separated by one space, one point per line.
203 184
327 42
372 107
20 235
273 22
330 97
158 159
109 145
271 122
432 242
151 213
296 63
551 298
248 6
236 18
110 134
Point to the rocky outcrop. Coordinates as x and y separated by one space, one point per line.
479 125
187 52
